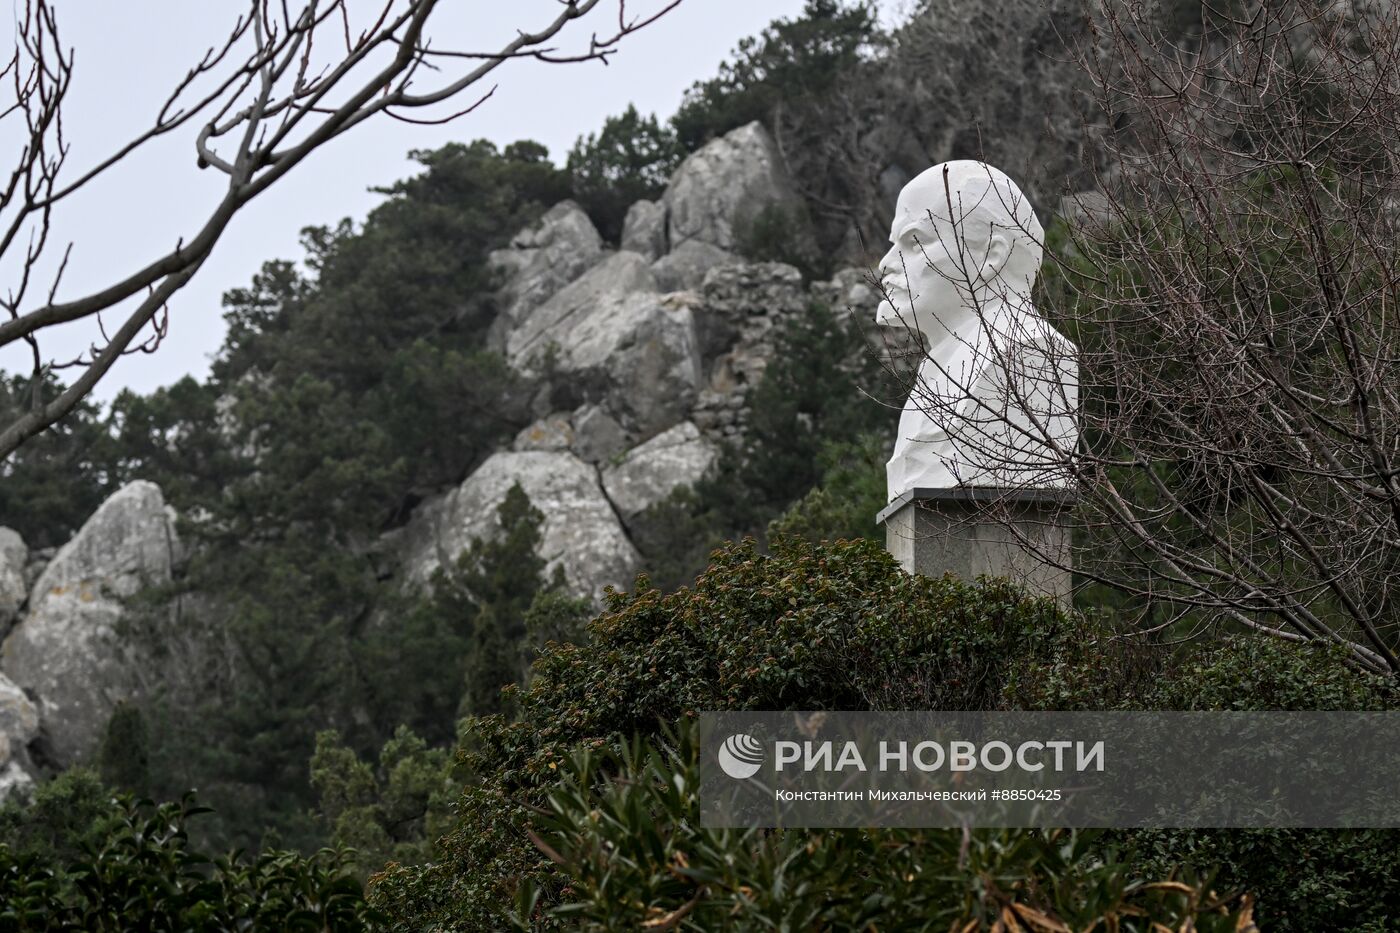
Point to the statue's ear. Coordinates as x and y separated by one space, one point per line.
997 253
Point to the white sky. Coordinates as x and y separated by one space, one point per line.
129 55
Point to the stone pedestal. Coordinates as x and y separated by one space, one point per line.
1022 534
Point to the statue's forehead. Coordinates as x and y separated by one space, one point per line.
915 203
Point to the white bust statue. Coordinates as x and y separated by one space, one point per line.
996 394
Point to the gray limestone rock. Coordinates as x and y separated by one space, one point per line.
725 185
581 532
848 289
551 433
649 472
19 725
609 337
651 357
686 266
14 556
19 719
65 651
769 290
742 307
597 435
644 230
552 323
543 259
13 778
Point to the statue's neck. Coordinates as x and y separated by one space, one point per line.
971 323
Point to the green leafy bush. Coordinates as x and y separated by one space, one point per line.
383 811
821 627
1246 672
835 626
1304 879
117 864
57 819
846 500
624 828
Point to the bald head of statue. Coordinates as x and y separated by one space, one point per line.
963 237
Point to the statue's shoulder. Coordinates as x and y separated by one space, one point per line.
1032 331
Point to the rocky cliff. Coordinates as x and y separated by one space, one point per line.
643 357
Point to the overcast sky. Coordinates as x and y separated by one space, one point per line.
127 64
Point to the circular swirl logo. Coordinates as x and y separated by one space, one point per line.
741 756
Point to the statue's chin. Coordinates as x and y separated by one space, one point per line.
885 314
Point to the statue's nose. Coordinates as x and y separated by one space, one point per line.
889 263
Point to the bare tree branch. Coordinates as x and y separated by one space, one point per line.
263 100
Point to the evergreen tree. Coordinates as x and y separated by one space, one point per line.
792 59
50 486
499 579
345 393
124 759
629 160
